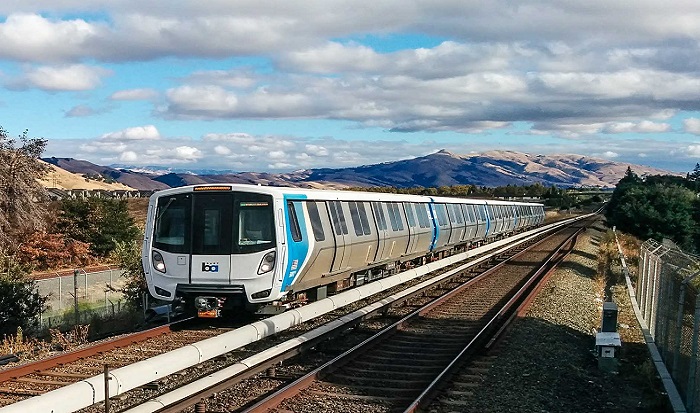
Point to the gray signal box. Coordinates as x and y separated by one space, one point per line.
609 324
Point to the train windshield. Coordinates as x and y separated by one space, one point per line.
214 223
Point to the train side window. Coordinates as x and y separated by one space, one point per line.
482 212
409 215
451 213
316 224
458 213
338 218
399 220
379 214
363 218
423 219
392 217
341 215
441 215
469 213
334 218
355 216
294 222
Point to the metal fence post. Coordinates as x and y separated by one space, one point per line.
60 293
642 280
690 398
75 295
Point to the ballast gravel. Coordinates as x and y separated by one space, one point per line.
547 363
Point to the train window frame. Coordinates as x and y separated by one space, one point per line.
397 214
294 227
364 220
341 215
470 213
422 212
379 215
451 213
338 218
184 208
316 223
355 218
410 217
440 211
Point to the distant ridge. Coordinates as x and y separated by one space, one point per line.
442 168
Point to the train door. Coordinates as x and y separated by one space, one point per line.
212 215
444 225
322 251
412 227
456 219
343 246
399 231
362 234
426 234
470 220
383 249
487 220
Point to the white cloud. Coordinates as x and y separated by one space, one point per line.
128 156
222 150
638 127
135 94
61 78
316 150
31 37
610 154
692 125
148 132
693 150
187 153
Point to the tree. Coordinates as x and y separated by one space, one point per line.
20 192
20 303
44 251
98 221
127 255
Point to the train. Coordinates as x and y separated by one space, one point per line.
217 248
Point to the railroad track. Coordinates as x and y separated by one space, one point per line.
142 395
39 377
400 368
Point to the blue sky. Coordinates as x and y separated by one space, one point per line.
254 85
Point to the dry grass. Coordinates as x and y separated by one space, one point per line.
62 179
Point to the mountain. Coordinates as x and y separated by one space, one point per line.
136 180
60 178
494 168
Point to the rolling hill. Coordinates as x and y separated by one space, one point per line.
443 168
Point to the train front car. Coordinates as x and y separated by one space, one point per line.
212 247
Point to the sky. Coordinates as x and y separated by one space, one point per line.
278 86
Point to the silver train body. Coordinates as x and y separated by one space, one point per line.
214 247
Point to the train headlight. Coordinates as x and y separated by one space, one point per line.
267 264
158 262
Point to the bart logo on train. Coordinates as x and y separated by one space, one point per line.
210 267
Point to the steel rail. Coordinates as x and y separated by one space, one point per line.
331 366
71 356
85 392
189 394
546 267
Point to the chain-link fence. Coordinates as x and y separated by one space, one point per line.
668 299
99 291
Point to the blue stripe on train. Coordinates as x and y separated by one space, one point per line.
296 250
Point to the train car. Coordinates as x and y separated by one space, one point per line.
221 247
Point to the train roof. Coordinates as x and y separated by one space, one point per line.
328 194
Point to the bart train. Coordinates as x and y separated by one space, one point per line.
218 247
